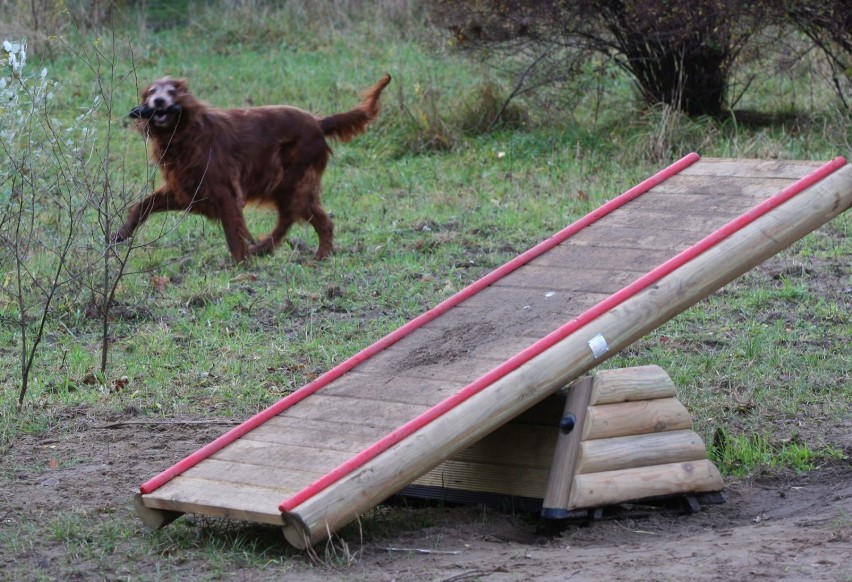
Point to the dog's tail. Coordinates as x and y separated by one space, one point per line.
345 126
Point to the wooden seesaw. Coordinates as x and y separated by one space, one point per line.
317 459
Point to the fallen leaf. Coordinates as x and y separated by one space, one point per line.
120 383
159 282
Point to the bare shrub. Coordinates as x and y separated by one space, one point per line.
678 54
58 200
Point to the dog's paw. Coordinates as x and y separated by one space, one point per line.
262 248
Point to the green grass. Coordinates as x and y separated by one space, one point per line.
424 204
412 229
747 454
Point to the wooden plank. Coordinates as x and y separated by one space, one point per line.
632 418
455 367
793 169
525 305
481 477
243 501
513 445
286 481
283 457
559 279
628 452
668 239
400 388
426 357
579 258
708 192
658 218
479 338
509 315
330 434
354 411
340 503
627 384
611 487
565 454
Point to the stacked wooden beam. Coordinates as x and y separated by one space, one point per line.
618 436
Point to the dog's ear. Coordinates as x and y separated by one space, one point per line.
181 84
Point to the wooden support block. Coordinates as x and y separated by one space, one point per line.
643 450
626 384
632 418
153 518
611 487
565 455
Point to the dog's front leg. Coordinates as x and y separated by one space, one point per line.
162 199
236 232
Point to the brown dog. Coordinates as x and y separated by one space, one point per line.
214 161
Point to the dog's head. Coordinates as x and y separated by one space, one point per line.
162 102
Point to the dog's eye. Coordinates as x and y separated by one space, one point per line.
172 91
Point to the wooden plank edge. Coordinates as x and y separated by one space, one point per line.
273 517
611 487
635 418
635 383
645 450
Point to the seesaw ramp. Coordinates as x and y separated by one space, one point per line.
359 433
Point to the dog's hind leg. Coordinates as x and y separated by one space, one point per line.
308 190
314 215
268 243
324 228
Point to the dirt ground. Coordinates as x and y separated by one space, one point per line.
780 526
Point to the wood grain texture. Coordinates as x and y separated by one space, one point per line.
565 454
237 501
640 451
793 169
633 418
636 383
611 487
510 480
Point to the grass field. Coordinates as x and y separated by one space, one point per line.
424 204
422 208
